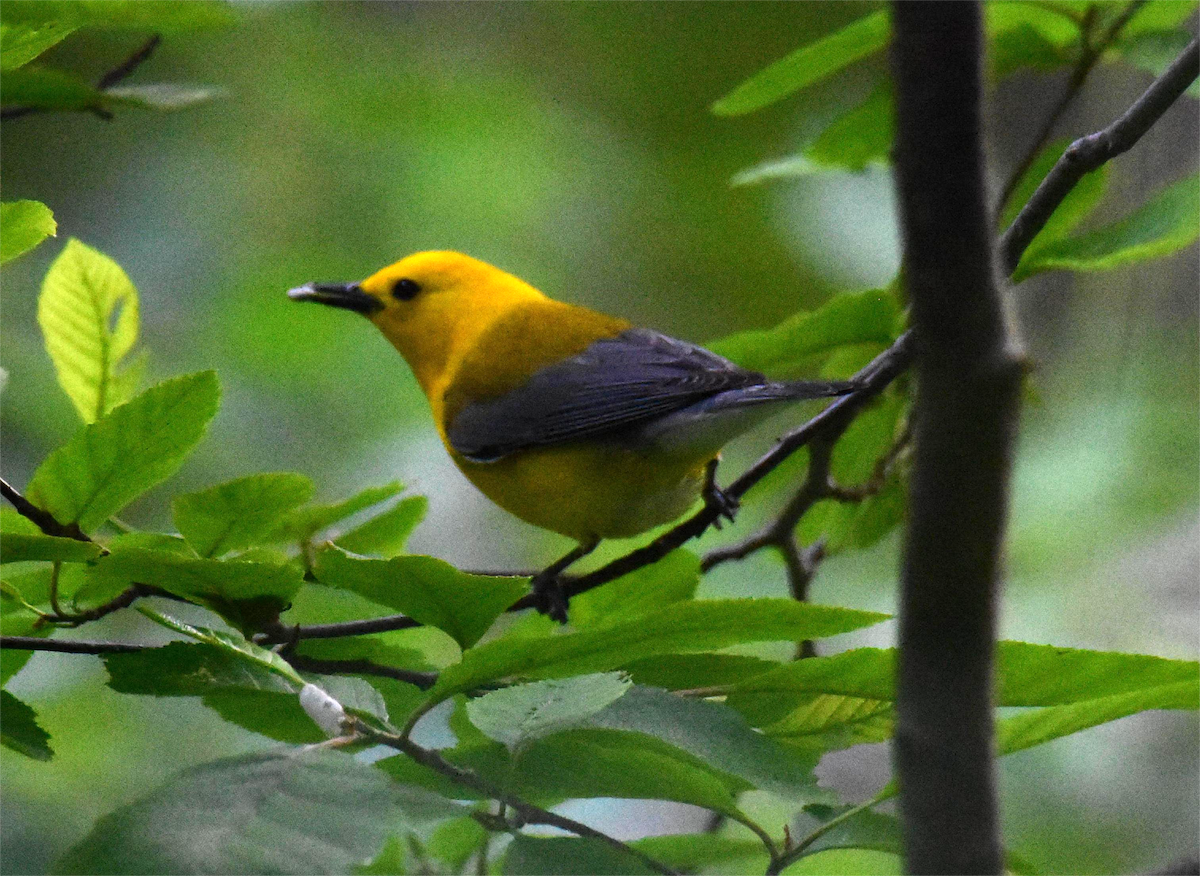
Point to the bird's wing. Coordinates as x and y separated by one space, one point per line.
616 384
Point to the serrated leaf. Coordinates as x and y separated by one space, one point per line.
684 626
239 513
714 733
808 64
687 671
847 318
426 589
296 812
19 729
161 96
386 533
304 523
88 311
164 16
109 463
672 579
515 716
20 43
243 592
1167 222
568 856
23 225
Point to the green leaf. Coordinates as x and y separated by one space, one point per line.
296 812
809 64
22 42
49 89
164 16
25 224
1155 50
1076 206
583 763
517 715
240 513
426 589
234 644
1168 222
304 523
16 547
88 311
1028 35
784 351
240 689
161 96
690 852
109 463
672 579
1158 17
684 626
714 733
455 841
568 856
866 830
386 533
19 729
244 592
687 671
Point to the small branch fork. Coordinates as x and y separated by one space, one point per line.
112 77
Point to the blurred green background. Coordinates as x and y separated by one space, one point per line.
571 144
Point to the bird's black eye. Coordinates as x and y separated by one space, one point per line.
405 289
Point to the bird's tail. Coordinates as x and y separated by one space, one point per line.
799 390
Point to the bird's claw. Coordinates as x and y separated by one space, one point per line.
718 500
549 597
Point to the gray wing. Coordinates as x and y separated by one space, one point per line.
616 384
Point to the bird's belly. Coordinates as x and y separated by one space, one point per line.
590 490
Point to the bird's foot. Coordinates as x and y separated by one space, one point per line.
717 499
549 596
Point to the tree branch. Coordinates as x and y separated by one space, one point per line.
1090 152
68 646
423 680
528 813
964 427
43 520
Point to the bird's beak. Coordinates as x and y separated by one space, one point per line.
349 296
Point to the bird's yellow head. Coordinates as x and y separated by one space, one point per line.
429 304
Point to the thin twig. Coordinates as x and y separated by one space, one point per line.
68 646
43 520
423 680
277 632
795 853
1088 153
110 78
1089 54
527 812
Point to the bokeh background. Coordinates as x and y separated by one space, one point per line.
572 145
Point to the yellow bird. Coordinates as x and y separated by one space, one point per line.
572 420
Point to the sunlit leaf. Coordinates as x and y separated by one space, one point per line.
291 812
386 533
16 547
46 88
21 42
110 462
24 224
239 513
672 579
303 523
809 64
1166 223
88 311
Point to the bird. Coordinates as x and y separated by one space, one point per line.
573 420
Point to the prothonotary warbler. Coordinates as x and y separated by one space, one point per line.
570 419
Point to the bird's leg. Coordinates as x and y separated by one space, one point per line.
547 586
714 497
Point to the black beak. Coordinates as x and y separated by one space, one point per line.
345 295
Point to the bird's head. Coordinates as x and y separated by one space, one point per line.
427 303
